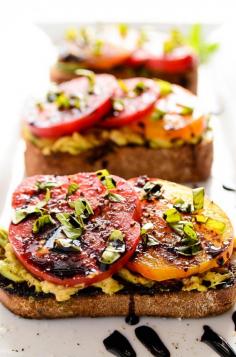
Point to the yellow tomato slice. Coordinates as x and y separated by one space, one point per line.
181 118
162 262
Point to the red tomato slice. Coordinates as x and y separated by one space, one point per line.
134 106
138 58
179 60
75 267
49 121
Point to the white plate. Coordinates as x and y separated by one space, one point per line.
82 337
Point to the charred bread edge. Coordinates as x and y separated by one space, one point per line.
187 163
186 79
180 304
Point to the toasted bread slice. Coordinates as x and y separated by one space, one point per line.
187 163
93 303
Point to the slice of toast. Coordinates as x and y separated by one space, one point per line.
23 301
187 163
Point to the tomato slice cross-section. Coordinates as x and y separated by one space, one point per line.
75 105
65 224
134 99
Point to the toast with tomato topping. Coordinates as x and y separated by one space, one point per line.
149 127
127 54
94 244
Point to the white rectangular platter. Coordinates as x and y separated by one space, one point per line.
82 337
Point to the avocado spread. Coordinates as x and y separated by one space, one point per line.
77 143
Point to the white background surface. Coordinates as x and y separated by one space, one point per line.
24 59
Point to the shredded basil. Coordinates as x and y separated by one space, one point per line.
71 227
171 215
147 238
114 197
182 206
42 186
185 110
198 198
123 29
115 247
143 38
106 179
123 86
90 75
215 225
200 218
118 104
41 222
165 87
72 188
140 88
98 46
152 189
157 114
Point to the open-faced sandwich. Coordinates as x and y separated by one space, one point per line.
94 244
127 52
130 127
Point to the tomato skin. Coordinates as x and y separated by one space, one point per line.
121 215
178 61
135 107
52 122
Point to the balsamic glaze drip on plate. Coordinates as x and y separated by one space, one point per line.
217 343
132 319
151 341
118 345
227 188
234 319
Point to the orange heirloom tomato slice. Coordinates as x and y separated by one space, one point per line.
162 262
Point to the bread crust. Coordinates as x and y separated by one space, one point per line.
187 79
180 304
187 163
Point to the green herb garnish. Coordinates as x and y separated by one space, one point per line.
90 75
165 87
171 215
106 179
123 29
71 227
148 239
182 206
114 197
115 247
215 225
140 88
152 189
97 47
175 40
198 198
72 188
41 222
157 114
42 186
3 237
71 34
118 104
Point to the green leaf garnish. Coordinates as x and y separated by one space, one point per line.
115 247
42 186
185 110
41 222
114 197
200 218
123 86
198 198
181 206
98 46
71 34
197 42
157 114
171 215
140 88
71 227
90 75
165 87
118 104
123 29
72 188
143 38
20 214
106 179
175 40
3 237
215 225
83 208
151 189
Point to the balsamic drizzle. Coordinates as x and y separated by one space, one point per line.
217 343
227 188
150 339
132 318
118 345
234 319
